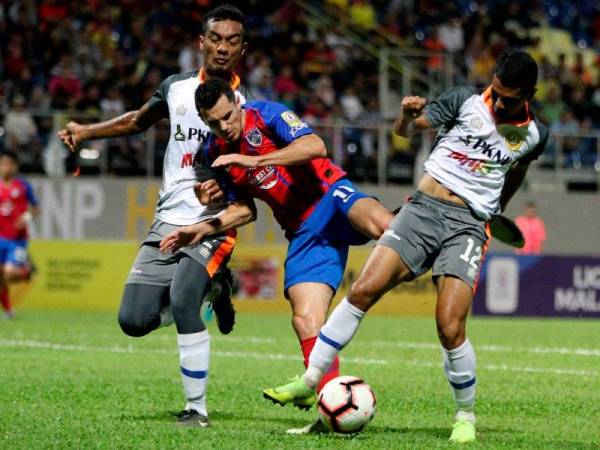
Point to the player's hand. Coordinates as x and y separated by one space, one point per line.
72 135
413 106
235 159
208 192
181 237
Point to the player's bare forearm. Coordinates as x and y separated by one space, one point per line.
512 183
131 122
300 151
235 215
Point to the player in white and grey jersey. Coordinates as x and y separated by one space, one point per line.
160 284
479 159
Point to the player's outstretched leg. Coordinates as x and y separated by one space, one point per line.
296 392
220 300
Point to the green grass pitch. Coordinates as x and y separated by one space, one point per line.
74 381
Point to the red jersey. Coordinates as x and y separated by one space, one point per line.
15 197
292 192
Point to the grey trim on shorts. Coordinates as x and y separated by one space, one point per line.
153 267
429 233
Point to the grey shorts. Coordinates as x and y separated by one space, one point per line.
429 233
156 268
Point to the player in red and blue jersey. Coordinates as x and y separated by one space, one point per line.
17 205
268 153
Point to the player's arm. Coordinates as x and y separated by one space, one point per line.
131 122
512 182
237 214
299 151
412 118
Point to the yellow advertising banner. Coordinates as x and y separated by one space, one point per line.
90 276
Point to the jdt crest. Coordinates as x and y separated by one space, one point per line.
254 137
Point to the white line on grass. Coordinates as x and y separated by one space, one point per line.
276 356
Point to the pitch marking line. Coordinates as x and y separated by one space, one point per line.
277 356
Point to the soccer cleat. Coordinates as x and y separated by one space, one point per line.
192 418
296 392
316 427
220 298
463 431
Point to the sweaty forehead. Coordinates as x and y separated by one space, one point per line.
504 91
225 28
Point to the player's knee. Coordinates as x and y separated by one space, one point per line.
451 333
363 294
133 325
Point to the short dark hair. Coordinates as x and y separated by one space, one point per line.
223 12
516 69
208 93
9 154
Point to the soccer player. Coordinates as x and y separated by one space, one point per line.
272 155
17 207
181 280
483 148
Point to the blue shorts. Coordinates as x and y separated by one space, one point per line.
318 251
13 252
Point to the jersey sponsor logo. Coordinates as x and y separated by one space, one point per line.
487 149
187 160
192 133
513 140
474 165
294 130
263 177
254 137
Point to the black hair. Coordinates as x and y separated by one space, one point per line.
9 154
516 69
223 12
208 93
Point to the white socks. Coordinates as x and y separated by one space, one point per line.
335 335
194 353
459 365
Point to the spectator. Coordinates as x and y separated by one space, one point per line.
533 229
21 130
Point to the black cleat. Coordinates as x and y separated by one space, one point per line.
221 301
192 418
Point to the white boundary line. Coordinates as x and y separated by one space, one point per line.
20 343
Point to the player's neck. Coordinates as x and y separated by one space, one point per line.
7 180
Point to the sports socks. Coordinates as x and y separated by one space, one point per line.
5 300
334 336
334 370
194 352
459 365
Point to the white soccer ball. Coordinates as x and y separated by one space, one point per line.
346 404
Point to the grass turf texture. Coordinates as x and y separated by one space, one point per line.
73 380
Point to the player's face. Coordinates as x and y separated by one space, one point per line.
222 45
224 119
507 102
8 168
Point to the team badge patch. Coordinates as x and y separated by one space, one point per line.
254 137
513 140
477 123
291 119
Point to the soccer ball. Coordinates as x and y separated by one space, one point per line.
346 404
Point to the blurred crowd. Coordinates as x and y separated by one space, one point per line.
101 58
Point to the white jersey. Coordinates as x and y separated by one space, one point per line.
177 203
473 152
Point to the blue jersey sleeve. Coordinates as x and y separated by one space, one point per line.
285 124
31 198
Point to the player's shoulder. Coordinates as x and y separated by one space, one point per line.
461 93
266 107
177 77
542 129
22 181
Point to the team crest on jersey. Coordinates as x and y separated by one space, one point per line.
513 140
476 123
254 137
180 110
14 192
